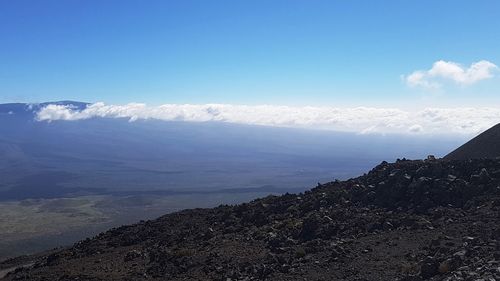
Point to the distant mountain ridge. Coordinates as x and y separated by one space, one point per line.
486 145
102 154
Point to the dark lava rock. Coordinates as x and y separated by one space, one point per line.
429 268
410 220
486 145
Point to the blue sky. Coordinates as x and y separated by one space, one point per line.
338 53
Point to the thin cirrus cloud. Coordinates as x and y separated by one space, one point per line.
442 71
362 120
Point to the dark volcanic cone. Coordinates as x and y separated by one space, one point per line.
486 145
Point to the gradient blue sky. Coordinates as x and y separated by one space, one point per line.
243 52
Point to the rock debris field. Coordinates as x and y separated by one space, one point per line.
408 220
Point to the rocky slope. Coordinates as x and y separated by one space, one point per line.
409 220
486 145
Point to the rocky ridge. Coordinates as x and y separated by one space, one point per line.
408 220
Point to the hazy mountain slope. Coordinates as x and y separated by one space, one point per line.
486 145
104 156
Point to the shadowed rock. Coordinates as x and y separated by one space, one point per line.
486 145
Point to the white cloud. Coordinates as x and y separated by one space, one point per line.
416 128
452 71
363 120
419 78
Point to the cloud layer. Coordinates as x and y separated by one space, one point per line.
361 120
451 71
